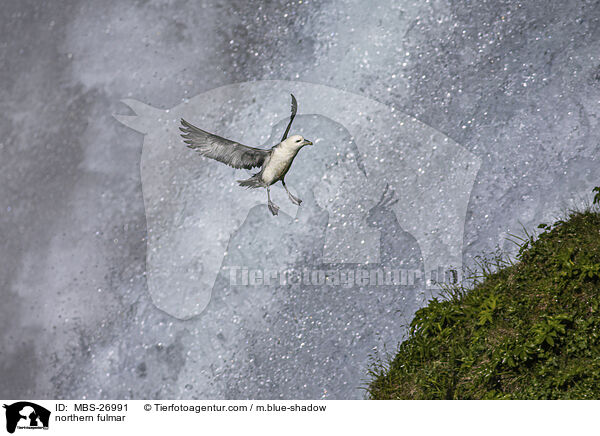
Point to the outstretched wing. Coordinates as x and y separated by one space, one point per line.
294 110
223 150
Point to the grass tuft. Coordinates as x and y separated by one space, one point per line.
528 329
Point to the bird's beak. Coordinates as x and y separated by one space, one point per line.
307 142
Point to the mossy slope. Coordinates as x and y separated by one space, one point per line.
531 330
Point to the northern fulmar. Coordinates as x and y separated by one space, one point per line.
274 163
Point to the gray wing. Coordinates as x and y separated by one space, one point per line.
292 116
223 150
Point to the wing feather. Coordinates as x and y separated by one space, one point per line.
292 116
221 149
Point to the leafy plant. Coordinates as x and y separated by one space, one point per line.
549 330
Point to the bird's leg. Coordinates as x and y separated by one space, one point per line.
272 206
293 199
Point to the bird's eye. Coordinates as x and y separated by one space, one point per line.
297 140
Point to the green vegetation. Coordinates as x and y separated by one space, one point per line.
528 330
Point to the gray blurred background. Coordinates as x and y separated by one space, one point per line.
516 83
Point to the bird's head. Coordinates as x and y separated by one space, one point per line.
296 142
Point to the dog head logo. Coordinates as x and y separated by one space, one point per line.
26 415
193 207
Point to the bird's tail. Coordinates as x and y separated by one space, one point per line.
253 182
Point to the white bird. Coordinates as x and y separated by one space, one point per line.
274 163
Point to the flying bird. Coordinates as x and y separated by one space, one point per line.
274 163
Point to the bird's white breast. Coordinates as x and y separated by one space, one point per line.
279 162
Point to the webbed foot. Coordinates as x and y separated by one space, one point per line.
273 208
295 200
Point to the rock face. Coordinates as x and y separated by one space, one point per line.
117 249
